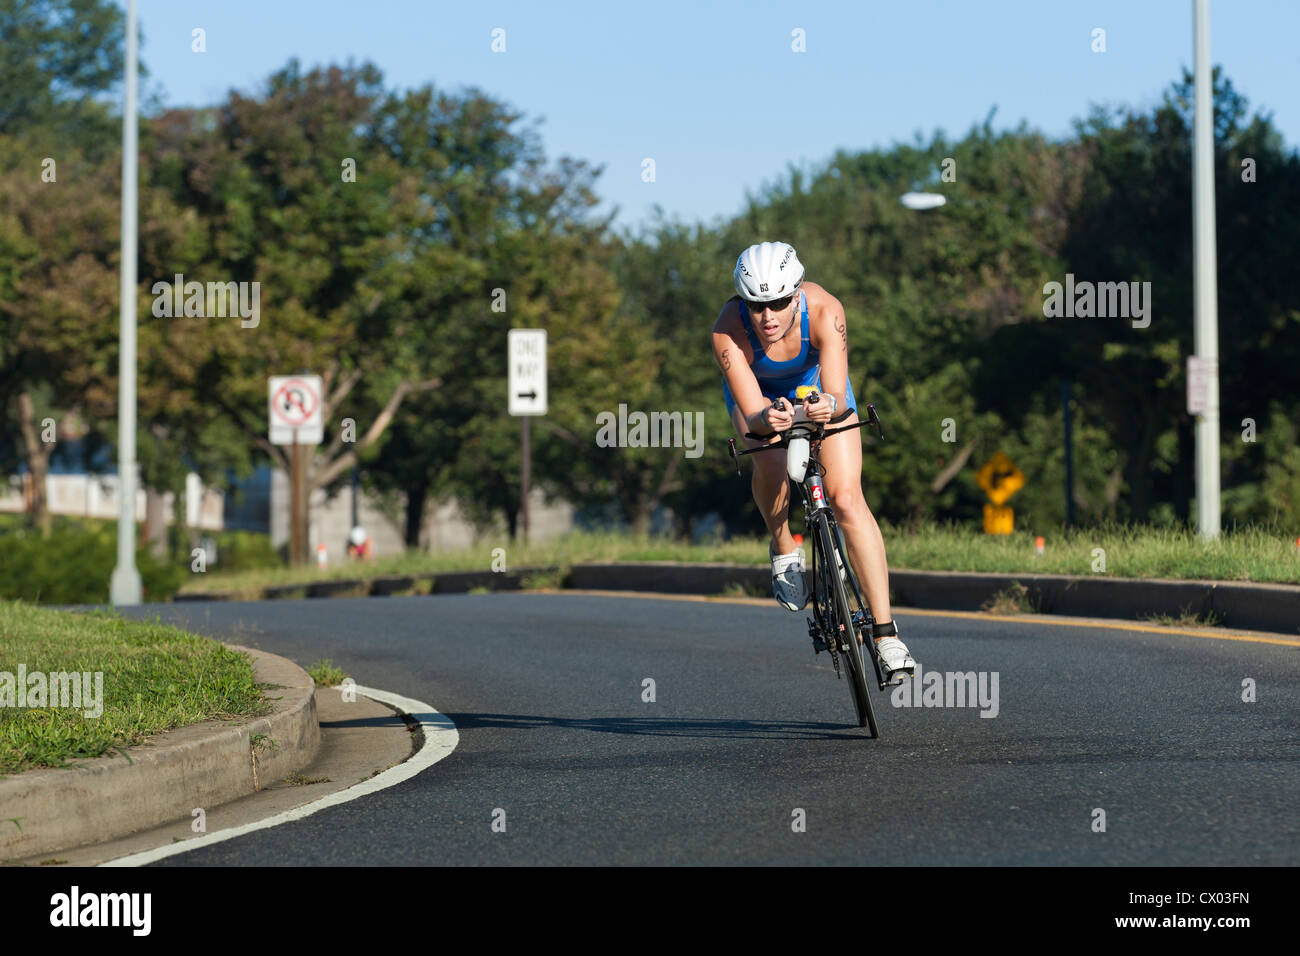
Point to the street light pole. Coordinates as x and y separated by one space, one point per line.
124 587
1205 281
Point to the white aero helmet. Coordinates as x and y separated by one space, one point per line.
768 270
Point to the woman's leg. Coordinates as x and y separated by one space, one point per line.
771 488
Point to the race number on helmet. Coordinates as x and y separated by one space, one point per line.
768 270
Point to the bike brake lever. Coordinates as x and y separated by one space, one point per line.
731 447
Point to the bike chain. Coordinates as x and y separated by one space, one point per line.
821 644
833 644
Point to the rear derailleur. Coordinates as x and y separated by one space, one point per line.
820 644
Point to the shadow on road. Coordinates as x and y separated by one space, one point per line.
391 720
665 726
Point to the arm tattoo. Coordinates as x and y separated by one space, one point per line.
726 362
839 327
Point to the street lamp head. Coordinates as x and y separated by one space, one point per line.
923 200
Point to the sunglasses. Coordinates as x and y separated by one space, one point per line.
776 305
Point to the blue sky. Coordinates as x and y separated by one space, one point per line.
711 89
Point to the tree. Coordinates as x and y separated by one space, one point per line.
56 57
58 293
268 184
57 228
511 244
1133 222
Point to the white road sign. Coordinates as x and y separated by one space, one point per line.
1199 373
295 410
526 358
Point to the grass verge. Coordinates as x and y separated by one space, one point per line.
153 678
1253 554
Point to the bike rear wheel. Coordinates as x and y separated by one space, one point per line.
843 630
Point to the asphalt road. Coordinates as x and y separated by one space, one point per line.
748 727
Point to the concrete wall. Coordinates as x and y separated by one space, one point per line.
445 528
95 496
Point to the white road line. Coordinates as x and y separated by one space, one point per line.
440 739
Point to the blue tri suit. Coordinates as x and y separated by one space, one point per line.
782 378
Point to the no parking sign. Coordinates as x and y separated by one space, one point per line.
295 410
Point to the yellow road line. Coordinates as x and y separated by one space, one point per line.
1056 621
1111 624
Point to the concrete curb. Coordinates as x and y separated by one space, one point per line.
169 774
1259 607
441 582
669 577
1252 607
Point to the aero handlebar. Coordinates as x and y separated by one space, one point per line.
815 431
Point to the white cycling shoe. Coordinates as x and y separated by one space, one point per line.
895 660
789 582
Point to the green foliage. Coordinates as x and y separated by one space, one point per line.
74 565
325 674
55 57
245 551
1281 486
674 279
400 286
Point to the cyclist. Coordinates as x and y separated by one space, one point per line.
777 333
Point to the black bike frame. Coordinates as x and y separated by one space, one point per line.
820 513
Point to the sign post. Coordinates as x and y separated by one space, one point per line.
296 416
526 376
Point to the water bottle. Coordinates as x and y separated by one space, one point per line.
796 460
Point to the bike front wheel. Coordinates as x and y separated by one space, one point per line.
842 627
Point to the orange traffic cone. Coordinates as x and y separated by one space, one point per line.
322 555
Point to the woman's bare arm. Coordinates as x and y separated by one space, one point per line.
732 355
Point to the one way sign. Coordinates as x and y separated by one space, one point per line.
526 358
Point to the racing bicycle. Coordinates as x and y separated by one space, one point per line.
841 621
